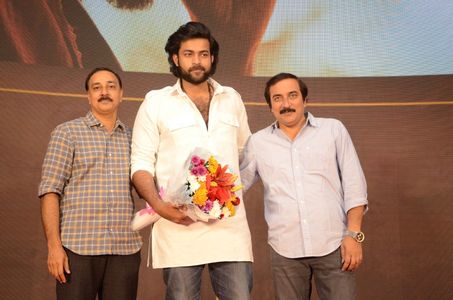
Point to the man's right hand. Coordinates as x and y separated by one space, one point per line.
173 213
146 187
57 263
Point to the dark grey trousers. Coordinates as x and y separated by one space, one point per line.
292 277
111 277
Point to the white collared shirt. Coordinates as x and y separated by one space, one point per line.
167 128
309 185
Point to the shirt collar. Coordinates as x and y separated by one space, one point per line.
218 89
91 121
311 121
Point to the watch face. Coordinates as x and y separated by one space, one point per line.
360 237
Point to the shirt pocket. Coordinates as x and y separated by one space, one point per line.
227 127
182 129
88 160
275 169
315 158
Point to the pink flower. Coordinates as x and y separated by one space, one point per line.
194 171
201 170
208 206
196 160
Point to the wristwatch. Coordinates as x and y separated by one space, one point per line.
356 235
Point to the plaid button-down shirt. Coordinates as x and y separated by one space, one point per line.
90 170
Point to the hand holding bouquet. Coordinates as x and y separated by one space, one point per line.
205 188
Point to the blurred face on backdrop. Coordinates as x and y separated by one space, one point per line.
131 4
194 60
287 104
104 93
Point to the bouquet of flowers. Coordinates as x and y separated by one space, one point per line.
206 188
210 189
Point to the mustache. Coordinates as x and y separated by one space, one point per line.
287 110
105 98
196 68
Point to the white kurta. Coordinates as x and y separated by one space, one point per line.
168 127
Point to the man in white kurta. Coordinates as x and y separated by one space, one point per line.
168 127
171 122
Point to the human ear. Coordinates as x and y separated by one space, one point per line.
175 59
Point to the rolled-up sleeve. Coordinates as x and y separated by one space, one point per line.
352 176
249 174
244 129
57 165
145 138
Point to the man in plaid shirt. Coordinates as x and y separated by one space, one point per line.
86 201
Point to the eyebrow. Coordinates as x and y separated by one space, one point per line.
98 82
289 93
201 51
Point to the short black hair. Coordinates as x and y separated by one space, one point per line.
279 77
94 71
188 31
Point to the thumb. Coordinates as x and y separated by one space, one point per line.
342 250
66 265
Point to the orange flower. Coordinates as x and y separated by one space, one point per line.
221 185
223 178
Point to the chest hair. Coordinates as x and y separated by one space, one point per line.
203 102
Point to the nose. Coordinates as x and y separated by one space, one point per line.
285 102
104 91
196 60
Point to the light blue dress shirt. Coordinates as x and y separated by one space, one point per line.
309 185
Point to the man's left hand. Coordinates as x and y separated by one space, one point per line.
351 254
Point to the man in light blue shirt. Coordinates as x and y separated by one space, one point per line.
314 195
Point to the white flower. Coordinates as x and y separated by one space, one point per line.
193 183
216 210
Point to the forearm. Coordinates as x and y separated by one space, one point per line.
57 260
50 216
146 188
355 217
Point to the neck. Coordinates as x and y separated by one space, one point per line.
108 120
292 131
200 95
194 89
